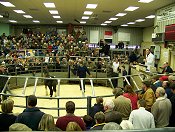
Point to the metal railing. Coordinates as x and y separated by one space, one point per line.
58 97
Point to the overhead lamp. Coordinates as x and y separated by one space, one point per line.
145 1
103 24
19 11
87 12
53 11
82 22
130 23
107 21
131 8
36 21
150 17
49 5
27 16
124 25
13 21
59 21
7 4
140 20
113 18
121 14
56 17
85 17
91 6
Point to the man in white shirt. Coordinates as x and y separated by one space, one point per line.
115 66
150 59
141 118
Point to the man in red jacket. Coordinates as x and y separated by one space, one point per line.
69 117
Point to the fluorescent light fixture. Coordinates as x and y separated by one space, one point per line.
7 4
87 12
91 6
124 25
83 22
151 16
113 18
121 14
36 21
140 20
56 17
85 17
1 16
49 5
27 16
131 8
103 24
53 11
19 11
12 21
131 23
145 1
59 21
107 21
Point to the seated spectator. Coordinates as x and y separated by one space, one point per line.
100 121
141 118
47 123
108 106
31 116
161 109
88 120
7 118
113 116
73 126
69 117
19 127
112 126
122 104
166 68
126 125
98 106
129 93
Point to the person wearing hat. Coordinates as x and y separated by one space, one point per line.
122 104
149 95
166 68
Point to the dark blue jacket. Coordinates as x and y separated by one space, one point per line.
81 71
30 117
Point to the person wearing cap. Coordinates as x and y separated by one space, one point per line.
166 68
150 59
122 104
149 95
161 109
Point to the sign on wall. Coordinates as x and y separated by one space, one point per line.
123 36
94 36
108 35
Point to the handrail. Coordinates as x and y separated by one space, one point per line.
58 97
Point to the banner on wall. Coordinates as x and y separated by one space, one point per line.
108 35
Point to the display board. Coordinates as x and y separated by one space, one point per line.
123 36
94 36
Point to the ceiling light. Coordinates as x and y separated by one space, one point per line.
56 17
27 16
49 5
131 23
83 22
91 6
59 21
107 21
1 16
85 17
19 11
140 20
87 12
131 8
124 25
121 14
36 21
53 11
145 1
113 19
7 4
151 16
103 24
12 21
